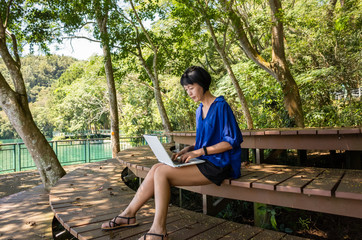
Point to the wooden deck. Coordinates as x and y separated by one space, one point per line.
26 215
332 191
86 197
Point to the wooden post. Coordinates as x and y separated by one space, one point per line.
258 155
206 203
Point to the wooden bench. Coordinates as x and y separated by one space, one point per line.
331 191
332 139
85 198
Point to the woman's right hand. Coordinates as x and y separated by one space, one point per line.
178 155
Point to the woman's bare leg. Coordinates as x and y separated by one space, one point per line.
165 177
143 194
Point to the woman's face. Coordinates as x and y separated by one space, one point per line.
195 91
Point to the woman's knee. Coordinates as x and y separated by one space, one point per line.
162 171
155 166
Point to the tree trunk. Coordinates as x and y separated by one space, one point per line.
239 91
156 89
278 66
102 24
153 76
16 107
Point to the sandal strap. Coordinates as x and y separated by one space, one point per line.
128 218
155 234
113 221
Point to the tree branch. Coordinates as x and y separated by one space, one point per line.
143 28
7 14
82 37
15 47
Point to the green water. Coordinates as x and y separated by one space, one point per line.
14 156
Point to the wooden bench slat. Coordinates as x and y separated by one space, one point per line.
298 181
324 184
247 180
270 182
350 186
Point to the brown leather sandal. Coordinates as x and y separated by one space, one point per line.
113 225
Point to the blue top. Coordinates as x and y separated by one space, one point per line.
218 126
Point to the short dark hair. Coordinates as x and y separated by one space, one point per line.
196 74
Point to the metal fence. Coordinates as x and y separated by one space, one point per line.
15 157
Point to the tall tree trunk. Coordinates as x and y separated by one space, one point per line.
239 91
102 24
16 106
152 75
278 67
156 89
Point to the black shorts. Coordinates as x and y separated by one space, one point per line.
214 173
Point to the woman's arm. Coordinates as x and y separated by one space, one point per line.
214 149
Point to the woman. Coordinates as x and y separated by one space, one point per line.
218 140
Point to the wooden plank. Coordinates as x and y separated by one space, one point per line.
298 181
349 131
218 231
198 223
269 235
126 233
307 132
324 184
245 232
291 237
270 182
142 217
350 186
247 180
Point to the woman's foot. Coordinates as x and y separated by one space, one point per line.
154 236
119 222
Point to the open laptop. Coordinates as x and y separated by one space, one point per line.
162 155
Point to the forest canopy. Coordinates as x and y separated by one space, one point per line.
322 50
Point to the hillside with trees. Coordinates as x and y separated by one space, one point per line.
39 73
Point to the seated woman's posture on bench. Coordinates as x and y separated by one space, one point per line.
218 140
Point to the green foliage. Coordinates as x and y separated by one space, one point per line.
80 103
322 47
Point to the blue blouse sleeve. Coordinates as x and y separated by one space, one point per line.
230 130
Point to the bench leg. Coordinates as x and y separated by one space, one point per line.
258 155
212 207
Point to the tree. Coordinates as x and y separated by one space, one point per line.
277 67
97 16
138 44
13 99
207 16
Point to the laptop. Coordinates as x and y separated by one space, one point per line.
162 155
